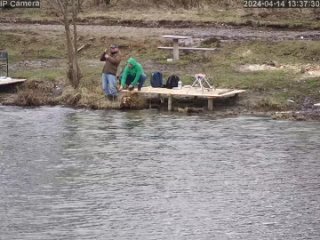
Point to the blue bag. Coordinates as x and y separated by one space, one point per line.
156 80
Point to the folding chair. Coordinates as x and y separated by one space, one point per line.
202 82
4 64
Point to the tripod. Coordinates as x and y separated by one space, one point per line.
202 82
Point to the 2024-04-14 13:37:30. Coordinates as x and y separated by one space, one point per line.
281 3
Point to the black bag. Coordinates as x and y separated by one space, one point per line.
172 81
156 80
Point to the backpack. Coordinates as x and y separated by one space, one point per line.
172 81
156 79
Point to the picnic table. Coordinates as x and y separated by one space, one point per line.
175 39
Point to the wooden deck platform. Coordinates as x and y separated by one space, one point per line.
8 81
188 91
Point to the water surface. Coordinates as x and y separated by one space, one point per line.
76 174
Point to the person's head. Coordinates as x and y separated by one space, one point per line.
114 48
131 62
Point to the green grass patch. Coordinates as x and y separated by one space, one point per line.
91 77
26 46
259 81
297 92
260 52
41 74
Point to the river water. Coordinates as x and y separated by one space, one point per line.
77 174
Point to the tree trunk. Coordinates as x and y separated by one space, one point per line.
68 10
73 71
76 70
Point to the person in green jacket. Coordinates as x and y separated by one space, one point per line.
133 75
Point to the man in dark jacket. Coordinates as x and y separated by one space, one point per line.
109 72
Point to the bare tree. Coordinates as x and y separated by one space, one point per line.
80 4
67 12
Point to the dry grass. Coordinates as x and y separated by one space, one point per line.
202 11
39 93
35 93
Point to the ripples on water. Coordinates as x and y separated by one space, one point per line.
75 174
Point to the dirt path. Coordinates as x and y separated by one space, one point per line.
222 33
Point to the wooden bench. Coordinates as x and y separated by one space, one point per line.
190 48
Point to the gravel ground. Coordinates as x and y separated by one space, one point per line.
222 33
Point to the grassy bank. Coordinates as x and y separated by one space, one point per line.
151 13
277 75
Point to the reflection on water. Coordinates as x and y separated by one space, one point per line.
76 174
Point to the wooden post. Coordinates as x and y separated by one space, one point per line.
210 104
175 49
170 103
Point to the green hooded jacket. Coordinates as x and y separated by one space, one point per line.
136 71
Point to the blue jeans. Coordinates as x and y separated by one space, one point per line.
141 81
109 85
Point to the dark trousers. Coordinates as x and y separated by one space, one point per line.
141 81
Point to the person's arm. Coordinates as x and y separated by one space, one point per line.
103 57
138 75
115 60
124 77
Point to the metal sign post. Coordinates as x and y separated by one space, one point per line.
4 64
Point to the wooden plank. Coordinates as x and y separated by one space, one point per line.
189 48
210 104
231 93
170 103
7 81
190 91
176 36
175 49
83 47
